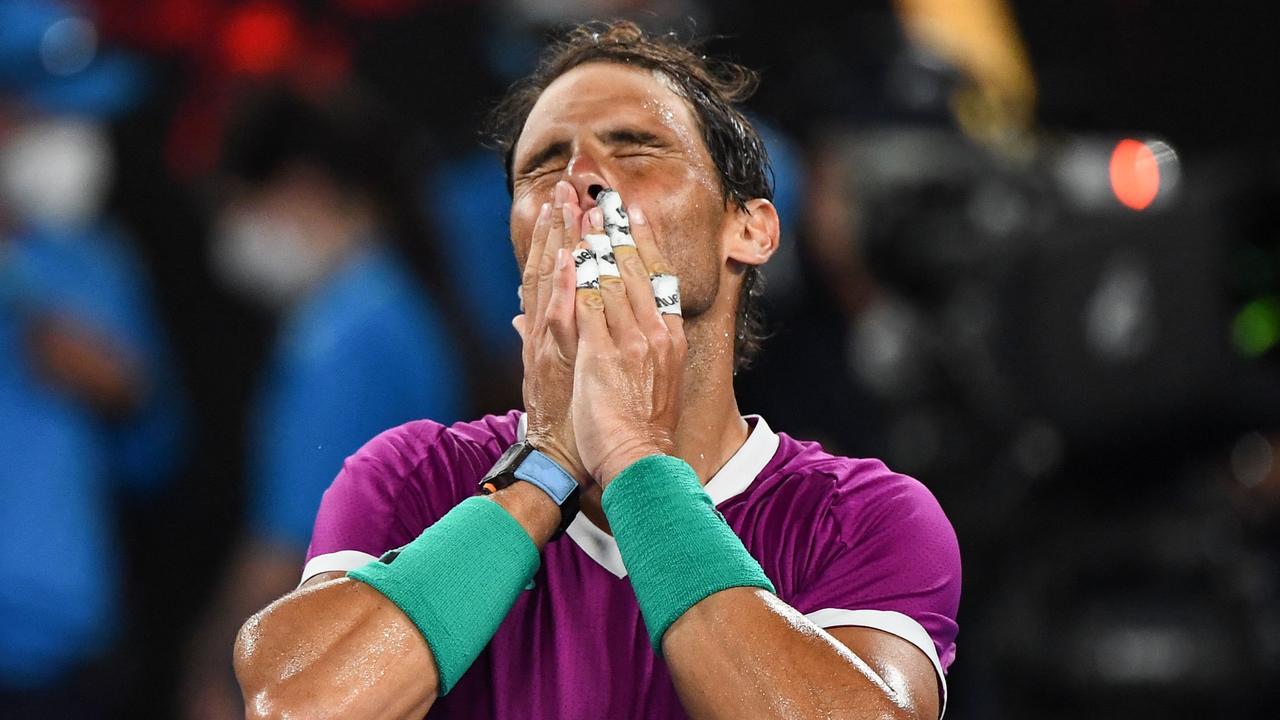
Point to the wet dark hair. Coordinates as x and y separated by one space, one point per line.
712 87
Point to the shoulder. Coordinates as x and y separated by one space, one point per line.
426 449
864 537
403 480
855 530
861 497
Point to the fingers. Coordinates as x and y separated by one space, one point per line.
664 287
560 306
589 315
618 312
638 297
529 278
666 297
617 225
635 275
646 244
562 233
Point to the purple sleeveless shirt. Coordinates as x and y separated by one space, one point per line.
847 542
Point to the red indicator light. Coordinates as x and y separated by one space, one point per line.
1135 174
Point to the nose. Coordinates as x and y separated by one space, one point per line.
587 178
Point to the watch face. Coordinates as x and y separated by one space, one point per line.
502 473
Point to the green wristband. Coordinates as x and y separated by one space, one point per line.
675 545
457 581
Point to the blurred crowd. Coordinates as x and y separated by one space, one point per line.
238 238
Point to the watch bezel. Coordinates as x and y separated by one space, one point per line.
503 472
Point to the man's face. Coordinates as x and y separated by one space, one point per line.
616 126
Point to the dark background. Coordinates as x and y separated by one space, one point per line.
1115 563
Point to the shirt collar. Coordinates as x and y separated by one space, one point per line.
729 482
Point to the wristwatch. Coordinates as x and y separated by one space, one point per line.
523 462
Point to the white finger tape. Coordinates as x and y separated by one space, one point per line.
616 223
584 263
666 292
605 261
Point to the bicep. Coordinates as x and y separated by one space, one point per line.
900 664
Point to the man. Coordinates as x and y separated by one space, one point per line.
822 587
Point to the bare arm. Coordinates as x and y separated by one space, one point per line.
337 648
740 652
744 653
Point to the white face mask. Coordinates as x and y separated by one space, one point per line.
55 172
266 258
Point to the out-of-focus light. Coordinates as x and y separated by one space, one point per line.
1145 654
1251 459
1256 328
1120 318
1135 174
68 46
259 39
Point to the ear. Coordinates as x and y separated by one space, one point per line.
753 236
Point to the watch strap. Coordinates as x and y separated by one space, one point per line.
547 474
522 462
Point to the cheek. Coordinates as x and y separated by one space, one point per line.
690 246
522 222
690 231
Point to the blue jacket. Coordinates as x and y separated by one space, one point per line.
60 462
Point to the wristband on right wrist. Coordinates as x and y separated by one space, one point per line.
676 546
457 581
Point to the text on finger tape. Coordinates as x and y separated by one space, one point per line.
605 261
666 293
617 226
588 271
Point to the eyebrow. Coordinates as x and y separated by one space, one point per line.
615 137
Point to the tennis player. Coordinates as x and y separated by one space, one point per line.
630 545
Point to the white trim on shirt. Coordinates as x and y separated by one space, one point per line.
732 479
341 561
743 466
894 623
738 473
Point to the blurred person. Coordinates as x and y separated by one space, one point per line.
89 404
639 548
309 225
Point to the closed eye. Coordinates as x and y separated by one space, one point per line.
542 159
627 138
626 143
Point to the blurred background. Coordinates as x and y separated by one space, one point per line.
1031 256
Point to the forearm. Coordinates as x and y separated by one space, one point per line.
733 647
338 649
743 652
344 649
